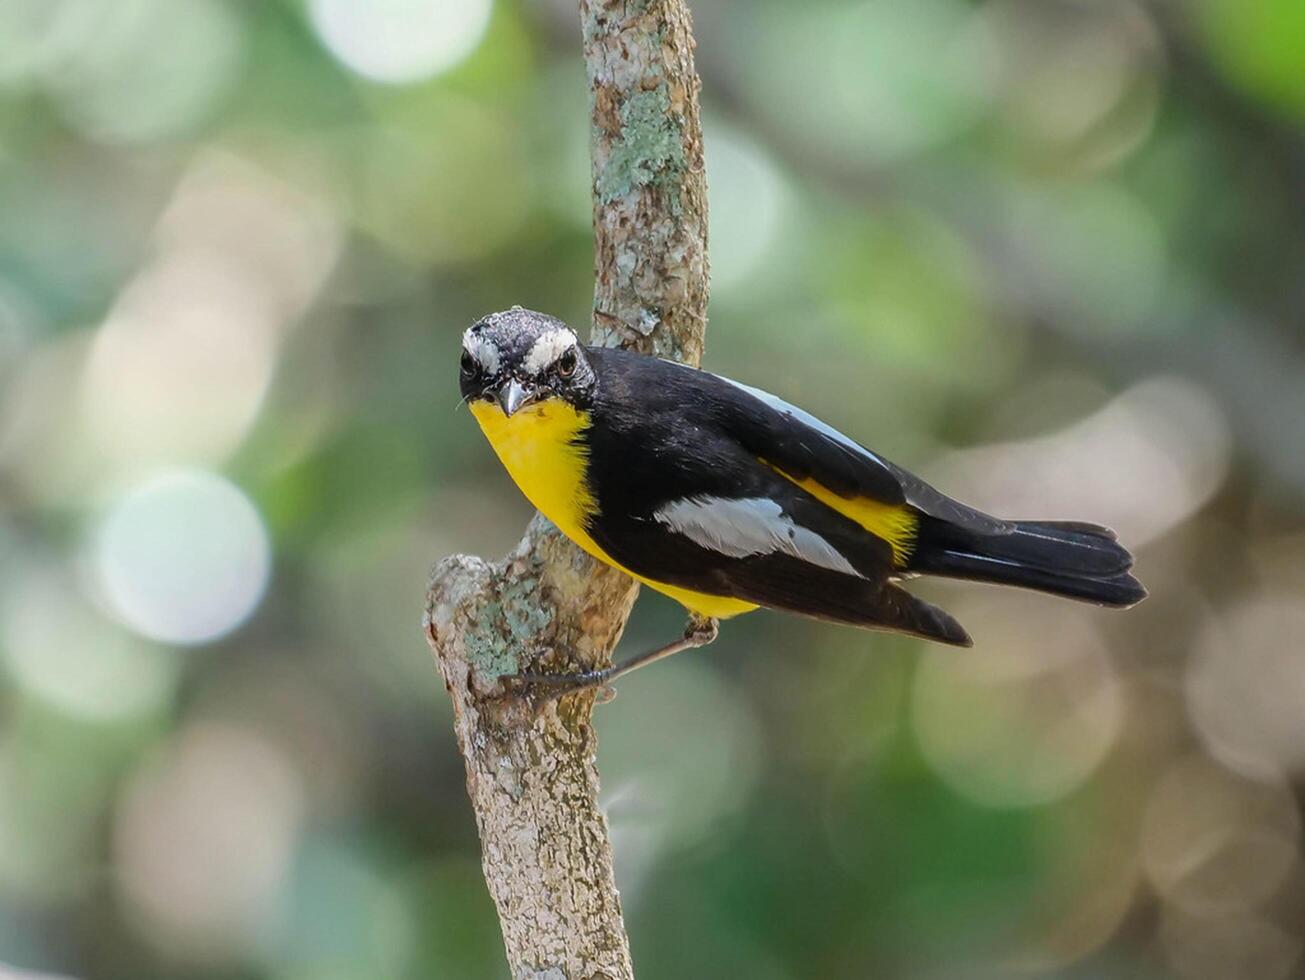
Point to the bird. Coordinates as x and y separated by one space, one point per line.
727 498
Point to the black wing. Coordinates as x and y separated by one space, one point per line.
795 441
771 429
683 501
804 446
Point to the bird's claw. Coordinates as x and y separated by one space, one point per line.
702 631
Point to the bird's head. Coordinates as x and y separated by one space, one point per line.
519 357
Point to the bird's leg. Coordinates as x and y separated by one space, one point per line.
698 633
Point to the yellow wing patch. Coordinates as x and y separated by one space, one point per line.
539 449
893 523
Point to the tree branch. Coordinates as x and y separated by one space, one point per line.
530 769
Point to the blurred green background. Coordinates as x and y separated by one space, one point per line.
1050 254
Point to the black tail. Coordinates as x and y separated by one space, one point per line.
1078 561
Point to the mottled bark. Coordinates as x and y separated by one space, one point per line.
650 187
530 768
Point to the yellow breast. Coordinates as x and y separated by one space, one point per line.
538 446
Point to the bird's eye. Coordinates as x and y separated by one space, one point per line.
566 364
468 364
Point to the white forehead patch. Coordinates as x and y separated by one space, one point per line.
548 349
484 353
749 526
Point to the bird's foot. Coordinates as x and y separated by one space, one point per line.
698 633
701 631
551 686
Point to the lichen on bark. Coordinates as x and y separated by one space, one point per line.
650 190
650 150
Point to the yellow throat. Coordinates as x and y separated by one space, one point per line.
538 447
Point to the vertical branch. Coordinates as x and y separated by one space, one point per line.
650 186
530 771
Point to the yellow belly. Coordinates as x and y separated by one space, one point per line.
537 448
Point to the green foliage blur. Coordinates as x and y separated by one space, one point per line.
1048 253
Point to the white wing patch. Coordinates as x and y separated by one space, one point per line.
485 353
749 526
548 349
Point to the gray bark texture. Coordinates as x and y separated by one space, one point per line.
531 771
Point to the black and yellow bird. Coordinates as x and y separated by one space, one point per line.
726 498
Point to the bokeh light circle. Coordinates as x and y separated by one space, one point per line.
1215 843
204 839
1219 947
1091 117
1030 720
400 41
1245 686
148 70
895 77
1171 446
58 648
179 370
747 207
183 558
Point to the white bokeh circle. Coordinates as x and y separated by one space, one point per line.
183 558
400 41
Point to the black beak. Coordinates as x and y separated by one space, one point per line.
514 396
